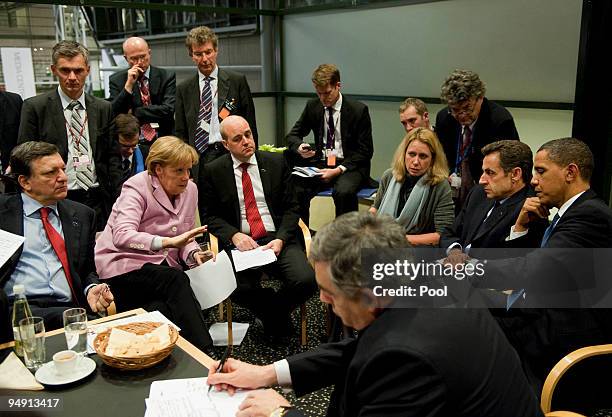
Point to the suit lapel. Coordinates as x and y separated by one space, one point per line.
160 195
223 85
193 104
154 83
71 227
265 179
480 214
92 122
56 113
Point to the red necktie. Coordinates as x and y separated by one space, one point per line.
147 131
57 242
253 218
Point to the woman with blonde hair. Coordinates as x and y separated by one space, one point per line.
149 240
415 190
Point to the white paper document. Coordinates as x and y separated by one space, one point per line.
9 243
252 258
218 332
307 172
213 281
190 397
153 316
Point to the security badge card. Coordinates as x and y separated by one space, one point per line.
81 162
205 126
229 106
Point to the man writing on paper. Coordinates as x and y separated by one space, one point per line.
405 362
246 201
56 262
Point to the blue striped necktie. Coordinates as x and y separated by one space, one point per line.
202 136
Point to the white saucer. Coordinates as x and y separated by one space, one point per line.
47 374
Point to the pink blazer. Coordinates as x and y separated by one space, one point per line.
143 211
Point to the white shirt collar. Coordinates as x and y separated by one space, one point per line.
236 163
338 104
67 100
568 203
214 74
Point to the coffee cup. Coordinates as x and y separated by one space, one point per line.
65 361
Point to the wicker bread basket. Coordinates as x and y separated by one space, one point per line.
139 362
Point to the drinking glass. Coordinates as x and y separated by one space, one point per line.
75 328
32 332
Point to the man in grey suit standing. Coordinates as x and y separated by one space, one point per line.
207 98
78 124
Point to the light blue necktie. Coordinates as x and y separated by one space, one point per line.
515 295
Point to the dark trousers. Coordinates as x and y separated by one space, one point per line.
298 285
97 200
163 288
6 331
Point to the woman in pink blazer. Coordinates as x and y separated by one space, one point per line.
149 240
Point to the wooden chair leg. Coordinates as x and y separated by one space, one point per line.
304 323
220 311
230 335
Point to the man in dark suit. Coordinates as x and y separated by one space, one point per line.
56 261
146 91
560 273
343 143
468 123
493 206
402 363
10 113
207 98
78 124
126 131
246 201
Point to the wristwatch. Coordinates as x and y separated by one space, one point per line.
280 411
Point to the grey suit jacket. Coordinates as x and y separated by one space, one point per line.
78 225
231 86
162 89
42 119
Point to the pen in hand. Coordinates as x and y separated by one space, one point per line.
222 362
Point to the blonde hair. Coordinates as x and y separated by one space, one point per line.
170 151
326 74
438 170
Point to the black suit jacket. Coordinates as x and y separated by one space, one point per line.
404 365
356 132
231 86
470 227
42 119
218 197
10 114
162 89
494 123
78 226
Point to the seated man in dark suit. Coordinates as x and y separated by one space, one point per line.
493 206
127 130
246 201
405 362
146 91
468 123
561 271
343 145
56 261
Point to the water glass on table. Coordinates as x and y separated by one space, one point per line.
75 328
32 333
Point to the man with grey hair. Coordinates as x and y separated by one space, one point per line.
146 91
78 123
413 113
469 122
56 261
204 100
400 353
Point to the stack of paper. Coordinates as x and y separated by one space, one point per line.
306 172
190 397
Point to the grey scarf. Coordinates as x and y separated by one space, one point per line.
409 216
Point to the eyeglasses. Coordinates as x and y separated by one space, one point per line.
137 58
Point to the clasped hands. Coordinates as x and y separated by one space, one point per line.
237 374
